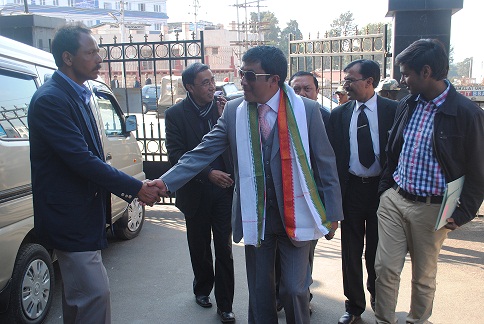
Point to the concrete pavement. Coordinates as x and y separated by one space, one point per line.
151 278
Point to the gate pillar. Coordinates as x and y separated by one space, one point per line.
414 20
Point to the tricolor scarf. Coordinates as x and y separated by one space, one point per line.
304 213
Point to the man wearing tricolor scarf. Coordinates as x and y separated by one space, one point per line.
284 165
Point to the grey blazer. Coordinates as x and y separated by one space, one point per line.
223 134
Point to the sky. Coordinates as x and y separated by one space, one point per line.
315 16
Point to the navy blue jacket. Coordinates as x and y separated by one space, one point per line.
71 183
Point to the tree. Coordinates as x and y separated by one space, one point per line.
291 28
268 25
343 25
460 70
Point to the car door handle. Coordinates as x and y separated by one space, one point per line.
108 157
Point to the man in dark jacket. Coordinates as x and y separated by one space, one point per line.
206 200
359 178
71 182
436 138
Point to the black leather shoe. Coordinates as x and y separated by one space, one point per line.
226 317
203 301
348 318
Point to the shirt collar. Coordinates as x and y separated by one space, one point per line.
439 100
274 101
370 103
82 91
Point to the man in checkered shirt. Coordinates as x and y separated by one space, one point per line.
435 139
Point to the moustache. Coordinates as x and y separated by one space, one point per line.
97 68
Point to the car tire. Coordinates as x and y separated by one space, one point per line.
32 287
131 223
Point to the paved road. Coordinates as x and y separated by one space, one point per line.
151 278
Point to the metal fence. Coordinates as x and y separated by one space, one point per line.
139 66
326 57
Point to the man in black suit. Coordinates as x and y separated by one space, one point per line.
114 82
206 200
306 85
71 181
358 133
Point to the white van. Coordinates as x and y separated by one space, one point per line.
26 272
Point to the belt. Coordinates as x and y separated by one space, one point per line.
412 197
365 179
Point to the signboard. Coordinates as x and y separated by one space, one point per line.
474 93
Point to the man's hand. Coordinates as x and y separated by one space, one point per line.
334 227
148 195
450 224
220 178
221 101
160 186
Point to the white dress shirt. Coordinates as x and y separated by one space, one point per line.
371 111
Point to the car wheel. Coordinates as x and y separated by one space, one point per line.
145 109
130 224
32 285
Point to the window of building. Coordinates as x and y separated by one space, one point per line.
42 2
158 26
108 5
55 2
157 8
117 5
71 3
214 50
141 7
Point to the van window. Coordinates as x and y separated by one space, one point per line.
111 120
15 94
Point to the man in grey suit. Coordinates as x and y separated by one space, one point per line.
266 98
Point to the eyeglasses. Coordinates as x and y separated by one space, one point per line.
206 83
350 81
250 76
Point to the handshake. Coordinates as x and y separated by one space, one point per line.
151 191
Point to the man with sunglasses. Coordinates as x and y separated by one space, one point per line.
306 85
283 165
358 132
206 200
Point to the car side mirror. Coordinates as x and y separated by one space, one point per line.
131 123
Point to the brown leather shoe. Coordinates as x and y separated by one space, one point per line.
203 301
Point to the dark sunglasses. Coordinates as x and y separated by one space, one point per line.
250 76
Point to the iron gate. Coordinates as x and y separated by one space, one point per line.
326 57
146 71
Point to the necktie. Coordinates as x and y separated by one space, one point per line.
264 127
363 135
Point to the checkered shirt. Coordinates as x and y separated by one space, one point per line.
418 171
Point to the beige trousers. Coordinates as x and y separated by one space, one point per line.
405 226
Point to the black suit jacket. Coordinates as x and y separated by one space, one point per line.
183 134
339 136
70 180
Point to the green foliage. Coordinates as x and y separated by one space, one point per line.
291 28
268 25
343 25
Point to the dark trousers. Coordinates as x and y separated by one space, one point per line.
295 275
360 224
213 217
